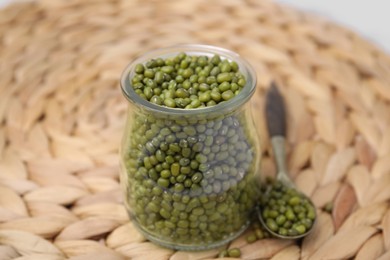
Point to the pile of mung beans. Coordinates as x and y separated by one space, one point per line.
286 211
190 179
187 81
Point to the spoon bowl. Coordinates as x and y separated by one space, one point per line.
298 235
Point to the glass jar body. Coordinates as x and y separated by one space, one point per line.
190 179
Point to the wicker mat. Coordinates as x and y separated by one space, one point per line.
62 116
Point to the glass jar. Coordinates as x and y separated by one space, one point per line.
190 176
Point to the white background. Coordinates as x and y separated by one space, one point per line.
370 18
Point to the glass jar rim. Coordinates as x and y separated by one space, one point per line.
192 49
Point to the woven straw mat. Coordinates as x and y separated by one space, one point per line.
62 116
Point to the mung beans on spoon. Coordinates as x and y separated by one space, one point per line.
285 212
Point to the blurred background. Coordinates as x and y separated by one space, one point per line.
368 18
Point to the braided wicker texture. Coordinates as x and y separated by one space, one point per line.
62 116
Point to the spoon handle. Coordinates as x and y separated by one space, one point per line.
276 121
275 112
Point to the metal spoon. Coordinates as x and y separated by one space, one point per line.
276 121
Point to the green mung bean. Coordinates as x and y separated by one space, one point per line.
234 252
251 238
